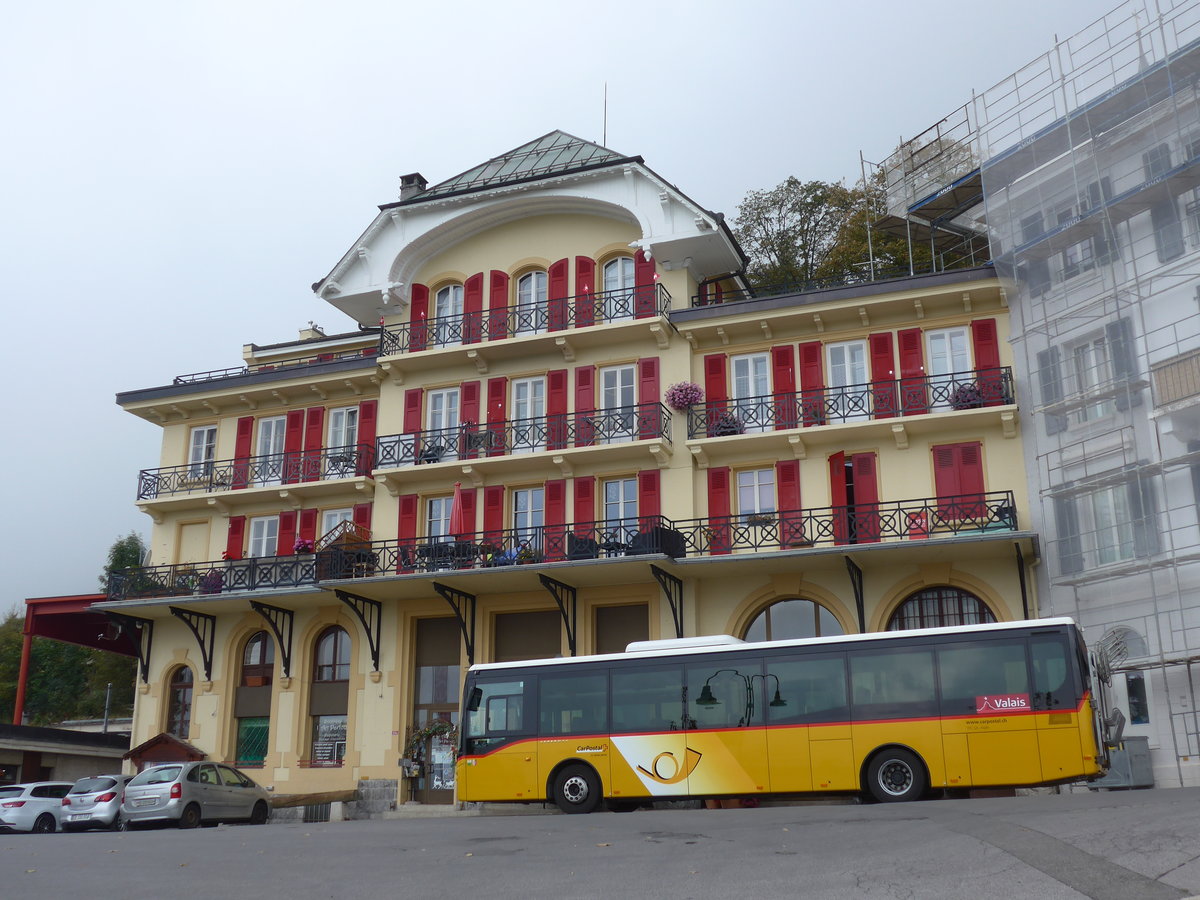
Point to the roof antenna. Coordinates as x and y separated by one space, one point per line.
604 140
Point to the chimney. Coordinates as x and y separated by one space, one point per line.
411 184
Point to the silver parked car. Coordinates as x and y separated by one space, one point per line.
192 793
94 802
32 807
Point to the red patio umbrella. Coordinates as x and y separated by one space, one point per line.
459 525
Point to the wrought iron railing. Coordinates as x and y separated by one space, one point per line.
781 289
873 400
257 471
185 579
647 421
580 311
303 361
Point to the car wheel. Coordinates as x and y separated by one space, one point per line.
260 813
190 817
45 824
117 824
577 789
896 775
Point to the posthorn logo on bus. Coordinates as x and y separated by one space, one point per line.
995 703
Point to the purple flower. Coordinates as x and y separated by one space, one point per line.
683 395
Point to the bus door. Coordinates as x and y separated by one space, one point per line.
989 730
653 757
500 744
808 738
724 717
1057 696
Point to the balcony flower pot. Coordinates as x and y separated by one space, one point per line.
728 424
966 396
759 519
683 395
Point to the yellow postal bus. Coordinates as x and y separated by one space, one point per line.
894 714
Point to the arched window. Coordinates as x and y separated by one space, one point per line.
531 303
617 301
179 702
448 311
333 655
1123 642
789 619
258 660
940 607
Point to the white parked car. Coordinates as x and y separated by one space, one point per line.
94 802
32 807
194 792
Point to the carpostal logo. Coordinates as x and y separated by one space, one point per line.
1001 703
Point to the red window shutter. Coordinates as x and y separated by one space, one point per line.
783 374
556 294
235 540
556 409
945 471
493 514
716 390
556 517
418 331
958 480
838 497
293 443
468 497
287 533
645 280
914 399
812 383
414 399
368 418
314 438
497 406
473 309
241 451
649 482
970 479
362 516
585 502
585 289
986 345
497 327
406 532
648 398
866 498
468 411
883 374
308 525
585 405
718 510
791 519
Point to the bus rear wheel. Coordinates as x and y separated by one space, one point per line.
896 775
576 789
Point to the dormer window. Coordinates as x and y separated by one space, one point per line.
447 314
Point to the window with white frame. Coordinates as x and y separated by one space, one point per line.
448 311
268 467
620 510
849 396
437 517
1092 369
531 303
202 451
948 355
618 289
756 495
529 414
618 397
442 423
751 390
1108 524
332 518
264 536
528 517
342 446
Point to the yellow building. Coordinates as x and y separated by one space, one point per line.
492 466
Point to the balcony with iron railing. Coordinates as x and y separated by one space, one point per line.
852 278
299 366
556 315
852 403
270 470
647 421
922 519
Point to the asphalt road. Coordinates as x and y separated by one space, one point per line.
1106 846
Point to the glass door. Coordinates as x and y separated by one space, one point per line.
529 415
342 452
751 391
268 467
618 400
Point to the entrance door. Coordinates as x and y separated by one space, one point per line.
436 678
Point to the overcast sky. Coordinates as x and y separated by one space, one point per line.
176 175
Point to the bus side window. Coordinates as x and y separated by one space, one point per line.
573 704
970 671
647 699
1051 685
812 690
892 684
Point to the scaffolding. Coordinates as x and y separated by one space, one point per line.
1081 171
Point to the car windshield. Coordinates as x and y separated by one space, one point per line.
160 775
91 785
10 791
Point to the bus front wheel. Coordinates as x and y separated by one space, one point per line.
576 789
895 775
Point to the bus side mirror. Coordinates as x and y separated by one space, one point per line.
474 699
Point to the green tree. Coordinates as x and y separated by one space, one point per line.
125 553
